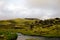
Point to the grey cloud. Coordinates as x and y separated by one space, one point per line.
44 3
29 8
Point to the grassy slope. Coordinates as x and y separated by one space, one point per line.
29 27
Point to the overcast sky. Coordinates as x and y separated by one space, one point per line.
42 9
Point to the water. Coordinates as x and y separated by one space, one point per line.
24 37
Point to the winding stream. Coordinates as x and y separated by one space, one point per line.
24 37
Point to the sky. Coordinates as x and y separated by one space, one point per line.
42 9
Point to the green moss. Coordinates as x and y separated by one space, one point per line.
8 36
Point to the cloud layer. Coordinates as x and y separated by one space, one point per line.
42 9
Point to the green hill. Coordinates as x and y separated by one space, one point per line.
47 28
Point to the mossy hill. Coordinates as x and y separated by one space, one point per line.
46 28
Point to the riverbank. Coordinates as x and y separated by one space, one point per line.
24 35
29 33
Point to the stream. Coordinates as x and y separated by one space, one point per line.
24 37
